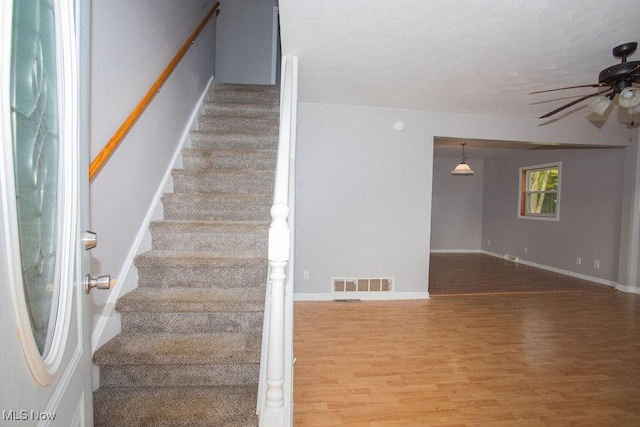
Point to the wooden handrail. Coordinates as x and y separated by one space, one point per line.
113 143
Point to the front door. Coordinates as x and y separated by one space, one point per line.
45 324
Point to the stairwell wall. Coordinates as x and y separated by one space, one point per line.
245 42
132 43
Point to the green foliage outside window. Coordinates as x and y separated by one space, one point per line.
540 191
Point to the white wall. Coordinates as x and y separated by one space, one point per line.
363 190
591 185
244 51
132 43
456 214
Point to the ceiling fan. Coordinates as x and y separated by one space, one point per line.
614 80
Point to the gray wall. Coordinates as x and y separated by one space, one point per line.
590 211
244 51
363 190
456 214
132 43
361 200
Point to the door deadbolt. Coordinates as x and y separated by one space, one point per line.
89 240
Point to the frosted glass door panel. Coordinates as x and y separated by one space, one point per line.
34 105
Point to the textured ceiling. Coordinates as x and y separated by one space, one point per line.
468 56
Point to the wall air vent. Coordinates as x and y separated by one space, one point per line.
363 285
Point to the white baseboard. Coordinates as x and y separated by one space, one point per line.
559 271
628 289
108 325
455 251
364 296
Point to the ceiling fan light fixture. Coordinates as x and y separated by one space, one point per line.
629 97
600 104
462 168
613 80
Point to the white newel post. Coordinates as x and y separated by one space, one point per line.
278 258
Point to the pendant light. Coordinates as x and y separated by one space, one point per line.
463 168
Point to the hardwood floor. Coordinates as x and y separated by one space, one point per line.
478 273
514 359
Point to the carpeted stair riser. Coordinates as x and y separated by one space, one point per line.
189 350
175 406
178 375
182 270
199 158
217 207
182 300
232 140
235 124
180 349
154 322
218 108
239 238
224 181
244 93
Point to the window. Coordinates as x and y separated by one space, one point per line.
540 192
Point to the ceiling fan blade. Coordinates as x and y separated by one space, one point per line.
557 110
570 87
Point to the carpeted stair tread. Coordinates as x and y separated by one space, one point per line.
176 406
192 300
180 349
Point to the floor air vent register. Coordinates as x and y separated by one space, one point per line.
362 285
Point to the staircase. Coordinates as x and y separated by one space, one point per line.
189 349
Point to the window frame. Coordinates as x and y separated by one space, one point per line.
523 191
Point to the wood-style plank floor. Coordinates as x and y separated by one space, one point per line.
465 273
507 359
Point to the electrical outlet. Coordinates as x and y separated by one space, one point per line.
305 275
596 263
488 242
579 261
525 250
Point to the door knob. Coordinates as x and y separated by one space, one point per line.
101 282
